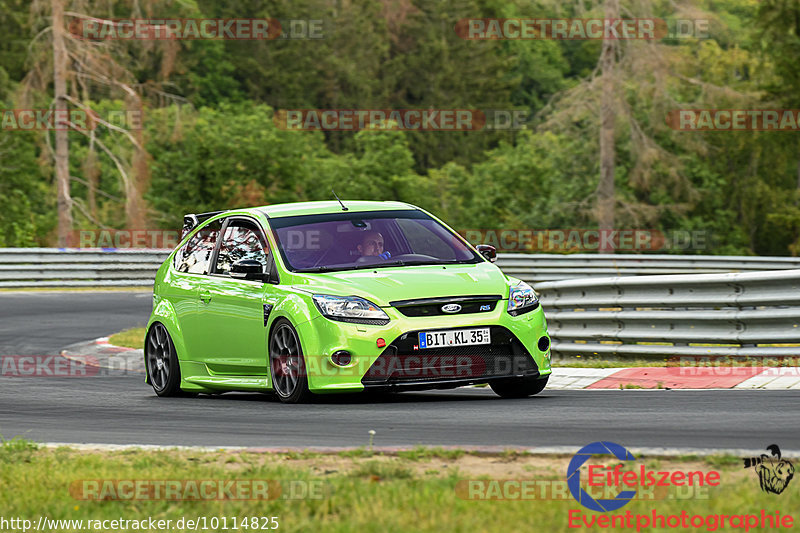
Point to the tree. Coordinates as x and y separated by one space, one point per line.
605 189
82 68
61 154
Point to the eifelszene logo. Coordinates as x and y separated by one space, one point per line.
774 472
574 476
608 479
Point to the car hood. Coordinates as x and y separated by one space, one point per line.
384 285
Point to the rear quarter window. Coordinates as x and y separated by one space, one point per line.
194 257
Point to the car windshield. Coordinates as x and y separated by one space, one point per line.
350 241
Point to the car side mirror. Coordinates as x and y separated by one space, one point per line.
488 251
248 269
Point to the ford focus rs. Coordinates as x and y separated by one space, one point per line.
324 297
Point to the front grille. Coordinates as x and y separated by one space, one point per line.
433 306
402 363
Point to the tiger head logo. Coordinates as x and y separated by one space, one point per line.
774 472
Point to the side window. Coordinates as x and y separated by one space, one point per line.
195 255
242 240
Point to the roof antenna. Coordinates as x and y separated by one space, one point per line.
334 194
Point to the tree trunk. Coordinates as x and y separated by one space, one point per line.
135 206
64 201
91 171
605 189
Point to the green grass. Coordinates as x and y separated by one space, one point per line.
382 471
16 448
357 452
423 452
719 461
379 494
510 454
129 338
302 455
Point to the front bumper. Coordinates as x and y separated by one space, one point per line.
514 352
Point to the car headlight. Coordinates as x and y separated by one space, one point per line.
350 309
522 299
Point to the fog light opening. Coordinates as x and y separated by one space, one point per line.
341 358
544 344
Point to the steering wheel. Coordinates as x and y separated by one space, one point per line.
323 256
415 257
373 259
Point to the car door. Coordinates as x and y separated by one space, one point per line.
234 338
188 276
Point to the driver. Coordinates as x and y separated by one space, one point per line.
372 245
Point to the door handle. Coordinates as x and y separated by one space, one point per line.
205 296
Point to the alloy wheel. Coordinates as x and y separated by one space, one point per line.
159 352
285 357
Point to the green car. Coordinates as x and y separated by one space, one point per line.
324 297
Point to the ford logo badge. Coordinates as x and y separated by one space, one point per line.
451 308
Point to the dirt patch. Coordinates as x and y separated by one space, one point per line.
470 465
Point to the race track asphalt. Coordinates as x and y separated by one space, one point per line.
115 408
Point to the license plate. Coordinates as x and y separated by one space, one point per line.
454 337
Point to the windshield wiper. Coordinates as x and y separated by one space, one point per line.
329 268
399 262
442 262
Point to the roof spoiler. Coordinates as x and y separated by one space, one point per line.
191 221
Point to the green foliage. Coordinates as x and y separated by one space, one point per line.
418 453
235 156
382 470
212 142
16 449
231 156
13 45
537 184
28 199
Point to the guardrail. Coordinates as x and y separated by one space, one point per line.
625 315
551 267
54 267
677 315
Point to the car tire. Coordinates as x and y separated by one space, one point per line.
287 364
519 387
161 361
